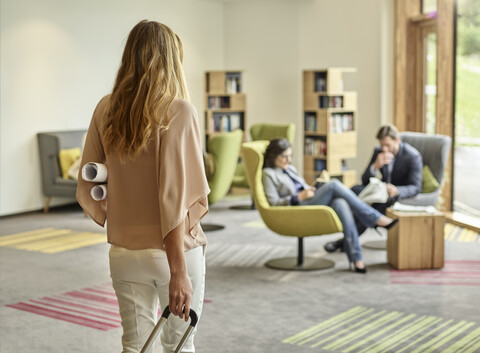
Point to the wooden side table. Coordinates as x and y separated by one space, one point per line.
417 241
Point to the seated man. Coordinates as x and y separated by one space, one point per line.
400 165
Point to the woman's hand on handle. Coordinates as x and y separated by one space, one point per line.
180 288
180 295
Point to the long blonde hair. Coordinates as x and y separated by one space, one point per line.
150 77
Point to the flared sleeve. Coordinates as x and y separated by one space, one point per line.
92 152
183 186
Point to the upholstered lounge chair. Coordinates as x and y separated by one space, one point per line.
434 150
225 149
293 221
49 146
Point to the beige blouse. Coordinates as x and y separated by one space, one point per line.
149 197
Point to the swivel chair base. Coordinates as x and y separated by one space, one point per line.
243 207
375 245
301 262
291 264
208 227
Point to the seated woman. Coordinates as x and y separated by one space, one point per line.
283 186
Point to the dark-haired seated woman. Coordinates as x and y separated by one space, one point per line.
283 186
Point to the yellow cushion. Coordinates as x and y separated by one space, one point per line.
67 157
429 183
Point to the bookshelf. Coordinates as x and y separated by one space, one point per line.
330 125
225 104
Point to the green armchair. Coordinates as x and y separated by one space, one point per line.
225 149
294 221
258 132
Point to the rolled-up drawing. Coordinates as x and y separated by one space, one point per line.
99 192
96 172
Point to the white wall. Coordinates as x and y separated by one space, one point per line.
274 40
59 57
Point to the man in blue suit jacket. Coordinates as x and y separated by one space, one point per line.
400 166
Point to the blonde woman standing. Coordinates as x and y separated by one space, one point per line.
147 134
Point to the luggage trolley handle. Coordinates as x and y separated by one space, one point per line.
159 326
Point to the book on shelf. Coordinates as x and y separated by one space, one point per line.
325 102
315 147
320 81
235 121
232 83
320 164
310 122
341 122
218 102
226 122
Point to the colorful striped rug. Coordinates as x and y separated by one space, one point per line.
368 330
455 233
95 307
51 240
454 273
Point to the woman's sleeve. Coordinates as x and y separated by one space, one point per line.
183 187
92 152
272 193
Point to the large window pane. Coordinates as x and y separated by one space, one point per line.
430 89
466 191
429 6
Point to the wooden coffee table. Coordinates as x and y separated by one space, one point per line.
417 241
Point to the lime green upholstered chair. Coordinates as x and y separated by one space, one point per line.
270 131
225 150
262 131
294 221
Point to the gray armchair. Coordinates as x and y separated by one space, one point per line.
49 146
434 150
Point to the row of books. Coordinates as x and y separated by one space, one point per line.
341 122
315 147
338 122
218 102
232 84
226 122
330 102
310 122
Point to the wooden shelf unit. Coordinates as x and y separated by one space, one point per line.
225 104
329 125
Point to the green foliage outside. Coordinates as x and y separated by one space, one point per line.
467 105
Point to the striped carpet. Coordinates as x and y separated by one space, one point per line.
51 240
95 307
454 273
245 255
460 234
363 330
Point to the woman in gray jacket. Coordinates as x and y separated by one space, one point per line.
283 186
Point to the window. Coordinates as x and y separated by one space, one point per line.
466 171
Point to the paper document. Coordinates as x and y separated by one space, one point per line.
409 208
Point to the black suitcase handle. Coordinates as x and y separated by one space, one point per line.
193 315
159 326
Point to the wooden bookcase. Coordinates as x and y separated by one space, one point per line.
330 125
225 104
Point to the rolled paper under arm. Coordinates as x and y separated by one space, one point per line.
99 192
95 172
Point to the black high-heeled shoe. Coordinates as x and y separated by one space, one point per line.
387 227
358 269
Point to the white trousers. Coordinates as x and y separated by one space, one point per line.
141 280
